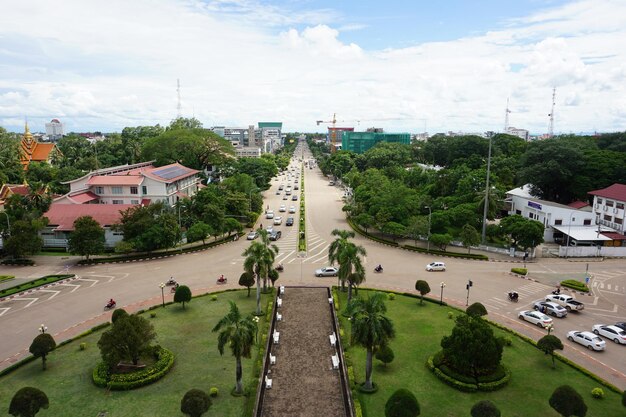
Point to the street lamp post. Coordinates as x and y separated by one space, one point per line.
429 223
484 234
468 286
442 285
256 325
42 329
162 285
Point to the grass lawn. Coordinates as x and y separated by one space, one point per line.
187 333
419 330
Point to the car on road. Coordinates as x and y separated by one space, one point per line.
269 229
278 220
331 183
269 214
295 187
282 208
327 271
285 197
292 209
278 192
281 186
621 325
289 221
252 235
587 339
613 333
436 266
535 317
551 308
566 301
275 235
294 197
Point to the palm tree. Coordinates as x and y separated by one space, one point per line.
370 328
259 260
350 266
337 247
238 333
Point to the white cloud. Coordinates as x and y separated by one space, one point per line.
106 65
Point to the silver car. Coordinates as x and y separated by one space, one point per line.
587 339
551 308
327 271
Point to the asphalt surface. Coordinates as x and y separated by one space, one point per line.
71 307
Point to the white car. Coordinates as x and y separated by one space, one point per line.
282 208
611 332
535 317
292 209
327 271
587 339
252 235
436 266
269 214
278 220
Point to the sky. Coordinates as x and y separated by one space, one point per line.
403 65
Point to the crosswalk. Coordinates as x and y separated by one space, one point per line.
528 292
600 278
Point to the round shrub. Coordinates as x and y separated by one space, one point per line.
83 346
152 314
485 408
213 392
385 355
597 393
450 315
402 403
391 296
476 310
214 297
195 403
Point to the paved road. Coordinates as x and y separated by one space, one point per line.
72 307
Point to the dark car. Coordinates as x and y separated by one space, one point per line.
289 221
294 197
621 325
275 235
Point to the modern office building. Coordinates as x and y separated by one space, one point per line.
55 130
360 142
270 136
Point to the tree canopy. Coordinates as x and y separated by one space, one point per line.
27 402
87 238
128 339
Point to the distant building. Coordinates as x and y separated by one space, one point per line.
334 136
7 190
360 142
608 206
270 136
135 184
248 152
55 130
520 133
34 151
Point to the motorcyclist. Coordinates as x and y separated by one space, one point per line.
279 267
513 295
379 268
111 303
221 278
557 291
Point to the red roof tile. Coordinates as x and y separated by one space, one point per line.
614 236
578 204
615 191
64 215
84 197
42 151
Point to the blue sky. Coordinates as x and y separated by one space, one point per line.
400 65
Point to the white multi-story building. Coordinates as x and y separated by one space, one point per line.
140 183
248 152
55 130
520 133
608 206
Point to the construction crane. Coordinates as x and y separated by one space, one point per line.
333 132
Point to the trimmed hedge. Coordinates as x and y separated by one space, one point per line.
575 285
132 380
519 271
476 256
48 279
362 232
493 382
22 262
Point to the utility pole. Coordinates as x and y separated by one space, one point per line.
484 233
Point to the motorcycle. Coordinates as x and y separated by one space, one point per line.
280 268
378 270
513 296
222 280
557 291
170 282
110 305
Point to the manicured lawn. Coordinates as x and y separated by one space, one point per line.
419 330
187 333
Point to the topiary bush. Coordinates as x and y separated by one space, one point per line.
519 271
568 402
195 403
575 285
485 408
597 393
402 403
385 355
476 310
213 392
127 381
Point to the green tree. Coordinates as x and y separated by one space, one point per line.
236 332
423 288
485 408
118 313
472 349
568 402
182 295
548 344
246 280
184 123
350 266
151 227
195 403
364 220
87 238
370 328
469 236
394 229
128 339
41 346
24 239
199 231
441 240
336 249
418 227
525 233
402 403
27 402
476 310
385 355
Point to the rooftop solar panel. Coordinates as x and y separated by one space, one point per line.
171 172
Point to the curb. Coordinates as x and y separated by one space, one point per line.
25 292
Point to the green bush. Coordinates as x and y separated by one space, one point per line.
402 403
19 262
213 392
519 271
492 382
148 375
575 285
597 393
475 256
83 346
214 297
358 411
152 314
391 296
450 315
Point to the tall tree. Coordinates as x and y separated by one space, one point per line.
246 280
41 346
182 295
469 236
338 246
236 332
350 266
87 238
370 328
128 338
27 402
259 260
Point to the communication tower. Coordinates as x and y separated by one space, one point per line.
506 116
551 126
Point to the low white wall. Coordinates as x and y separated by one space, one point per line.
591 251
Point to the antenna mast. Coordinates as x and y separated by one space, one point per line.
551 127
506 116
178 107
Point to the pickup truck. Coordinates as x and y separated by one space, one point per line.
566 301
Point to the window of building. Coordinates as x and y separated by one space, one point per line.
558 222
587 222
609 203
619 206
118 201
116 190
599 200
134 201
518 211
144 189
608 218
618 221
99 190
134 190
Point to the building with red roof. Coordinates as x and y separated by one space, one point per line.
33 151
608 206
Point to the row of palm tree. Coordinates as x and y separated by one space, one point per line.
259 261
348 255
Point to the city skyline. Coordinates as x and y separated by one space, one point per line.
398 65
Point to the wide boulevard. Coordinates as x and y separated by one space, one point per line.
70 308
